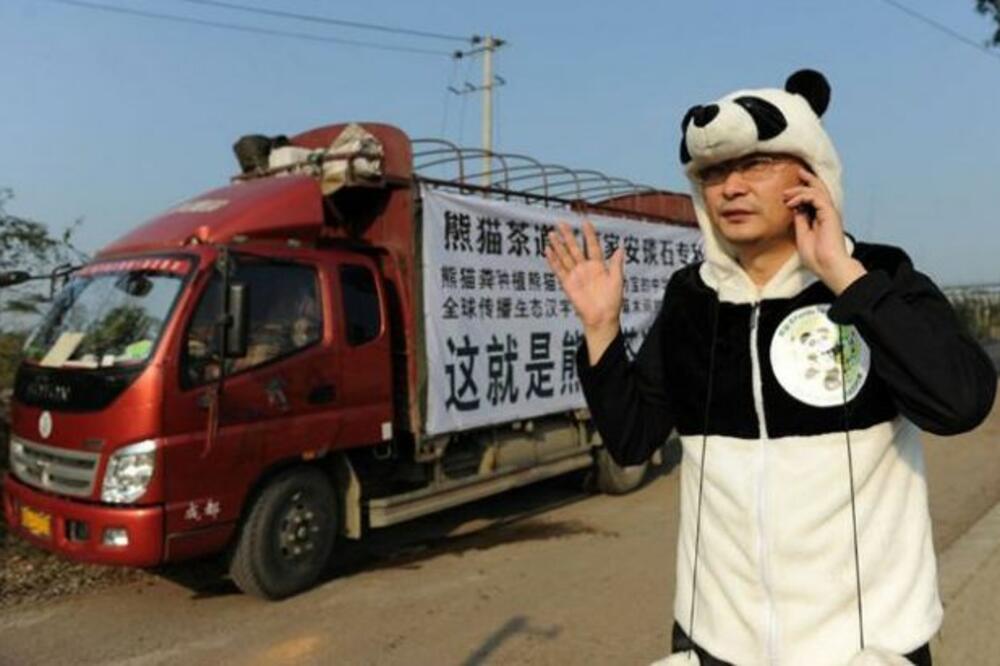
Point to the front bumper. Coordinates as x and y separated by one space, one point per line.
77 528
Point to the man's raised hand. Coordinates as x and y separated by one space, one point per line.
593 285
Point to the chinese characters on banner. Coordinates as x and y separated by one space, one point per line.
501 336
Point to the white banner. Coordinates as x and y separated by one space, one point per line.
501 337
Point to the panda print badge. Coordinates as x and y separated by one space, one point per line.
805 356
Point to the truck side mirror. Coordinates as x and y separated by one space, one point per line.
237 320
10 278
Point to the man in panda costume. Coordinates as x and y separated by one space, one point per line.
797 365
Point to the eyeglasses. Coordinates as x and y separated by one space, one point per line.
751 167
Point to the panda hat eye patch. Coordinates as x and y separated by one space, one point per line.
768 118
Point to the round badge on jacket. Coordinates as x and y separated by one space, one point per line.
805 356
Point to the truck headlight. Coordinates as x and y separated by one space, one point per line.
16 450
129 472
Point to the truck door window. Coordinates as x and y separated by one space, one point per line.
362 317
285 317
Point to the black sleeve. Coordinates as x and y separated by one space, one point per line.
937 374
628 401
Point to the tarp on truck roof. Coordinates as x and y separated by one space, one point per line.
353 159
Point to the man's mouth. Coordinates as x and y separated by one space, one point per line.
735 212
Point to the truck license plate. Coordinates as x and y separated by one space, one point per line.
36 522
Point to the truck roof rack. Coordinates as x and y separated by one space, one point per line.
442 163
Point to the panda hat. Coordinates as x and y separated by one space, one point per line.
767 120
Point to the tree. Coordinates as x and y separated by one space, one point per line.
991 8
27 245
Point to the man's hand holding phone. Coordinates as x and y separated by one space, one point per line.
819 234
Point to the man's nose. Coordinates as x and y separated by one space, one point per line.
734 184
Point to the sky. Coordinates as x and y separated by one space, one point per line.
113 118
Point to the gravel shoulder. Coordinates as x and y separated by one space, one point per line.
29 574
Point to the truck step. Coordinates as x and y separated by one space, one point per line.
385 511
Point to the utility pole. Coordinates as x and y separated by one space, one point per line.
488 109
490 81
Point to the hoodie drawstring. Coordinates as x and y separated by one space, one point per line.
850 472
701 473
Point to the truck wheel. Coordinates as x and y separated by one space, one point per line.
613 479
288 536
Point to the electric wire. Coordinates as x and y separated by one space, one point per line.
312 18
495 130
461 119
86 4
447 96
982 48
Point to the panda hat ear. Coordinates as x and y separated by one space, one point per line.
813 86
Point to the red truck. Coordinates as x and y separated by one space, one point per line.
252 372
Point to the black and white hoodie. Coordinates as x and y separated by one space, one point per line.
776 385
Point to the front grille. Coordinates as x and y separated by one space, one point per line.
58 470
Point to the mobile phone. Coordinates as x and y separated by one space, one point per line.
808 210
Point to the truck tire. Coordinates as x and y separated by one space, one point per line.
288 536
613 479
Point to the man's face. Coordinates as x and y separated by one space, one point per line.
744 197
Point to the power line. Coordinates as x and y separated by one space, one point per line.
497 114
461 118
941 27
333 21
248 29
447 96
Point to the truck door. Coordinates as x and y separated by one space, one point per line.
363 340
278 401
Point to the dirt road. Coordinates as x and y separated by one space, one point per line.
543 575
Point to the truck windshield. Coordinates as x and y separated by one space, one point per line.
110 314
